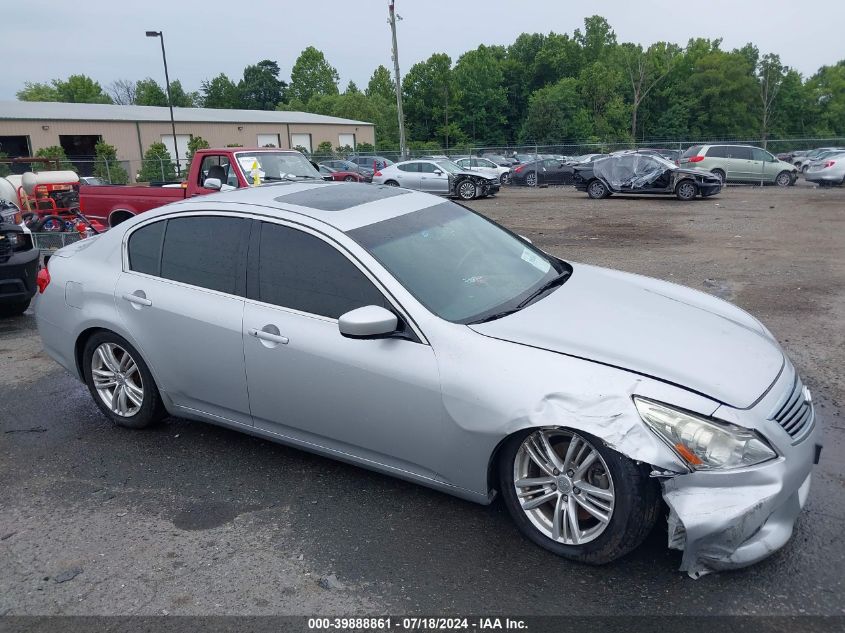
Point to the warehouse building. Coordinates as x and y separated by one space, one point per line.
27 126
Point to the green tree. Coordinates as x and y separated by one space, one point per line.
74 89
381 84
480 96
220 92
261 88
556 113
598 41
195 143
149 93
770 76
428 95
725 90
157 165
312 75
351 87
645 69
33 91
55 151
827 88
106 165
5 170
366 148
324 148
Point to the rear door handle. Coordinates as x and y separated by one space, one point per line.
138 300
268 336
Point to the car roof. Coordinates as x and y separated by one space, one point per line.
344 206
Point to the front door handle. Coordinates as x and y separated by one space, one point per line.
138 299
271 337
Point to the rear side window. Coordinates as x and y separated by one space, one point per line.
299 271
209 252
409 167
145 248
692 151
717 151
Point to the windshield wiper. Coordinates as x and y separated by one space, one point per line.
551 283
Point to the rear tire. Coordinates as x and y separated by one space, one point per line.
350 179
720 175
151 409
634 511
391 183
531 179
597 190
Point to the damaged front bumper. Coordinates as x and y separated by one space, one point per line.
735 518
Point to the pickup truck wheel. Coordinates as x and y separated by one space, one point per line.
121 215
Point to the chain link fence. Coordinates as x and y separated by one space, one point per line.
163 170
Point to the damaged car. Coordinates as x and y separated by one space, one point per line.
643 173
407 334
442 177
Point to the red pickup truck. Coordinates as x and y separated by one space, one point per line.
211 170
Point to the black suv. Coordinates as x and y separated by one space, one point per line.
18 262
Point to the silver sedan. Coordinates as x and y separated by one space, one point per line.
827 171
404 333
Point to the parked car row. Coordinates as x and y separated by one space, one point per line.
438 176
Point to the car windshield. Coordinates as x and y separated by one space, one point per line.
461 266
449 166
273 166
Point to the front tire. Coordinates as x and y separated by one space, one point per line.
505 178
597 190
466 190
598 507
686 190
120 382
783 179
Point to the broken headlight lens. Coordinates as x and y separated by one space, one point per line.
704 444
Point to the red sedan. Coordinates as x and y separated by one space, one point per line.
337 174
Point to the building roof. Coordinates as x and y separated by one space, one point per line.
54 111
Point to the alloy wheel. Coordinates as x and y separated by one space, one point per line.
783 179
564 486
531 179
466 190
686 191
117 379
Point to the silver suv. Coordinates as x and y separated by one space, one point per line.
740 163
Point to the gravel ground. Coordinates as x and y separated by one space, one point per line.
189 518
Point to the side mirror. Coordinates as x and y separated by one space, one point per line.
28 182
437 172
367 322
212 183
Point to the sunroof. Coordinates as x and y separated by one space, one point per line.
340 196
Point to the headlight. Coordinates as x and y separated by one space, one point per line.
704 444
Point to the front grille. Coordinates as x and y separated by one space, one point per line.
795 413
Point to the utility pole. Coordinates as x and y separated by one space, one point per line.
160 35
403 150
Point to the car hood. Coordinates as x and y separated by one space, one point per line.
650 327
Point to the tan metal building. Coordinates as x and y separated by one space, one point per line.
27 126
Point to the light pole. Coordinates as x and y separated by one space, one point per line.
403 151
160 35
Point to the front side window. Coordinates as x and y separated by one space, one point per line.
461 266
300 271
205 251
427 168
217 166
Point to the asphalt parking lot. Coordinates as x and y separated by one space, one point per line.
189 518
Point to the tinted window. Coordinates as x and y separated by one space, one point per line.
427 168
299 271
206 251
409 167
692 151
145 248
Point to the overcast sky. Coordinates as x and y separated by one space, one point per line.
105 38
